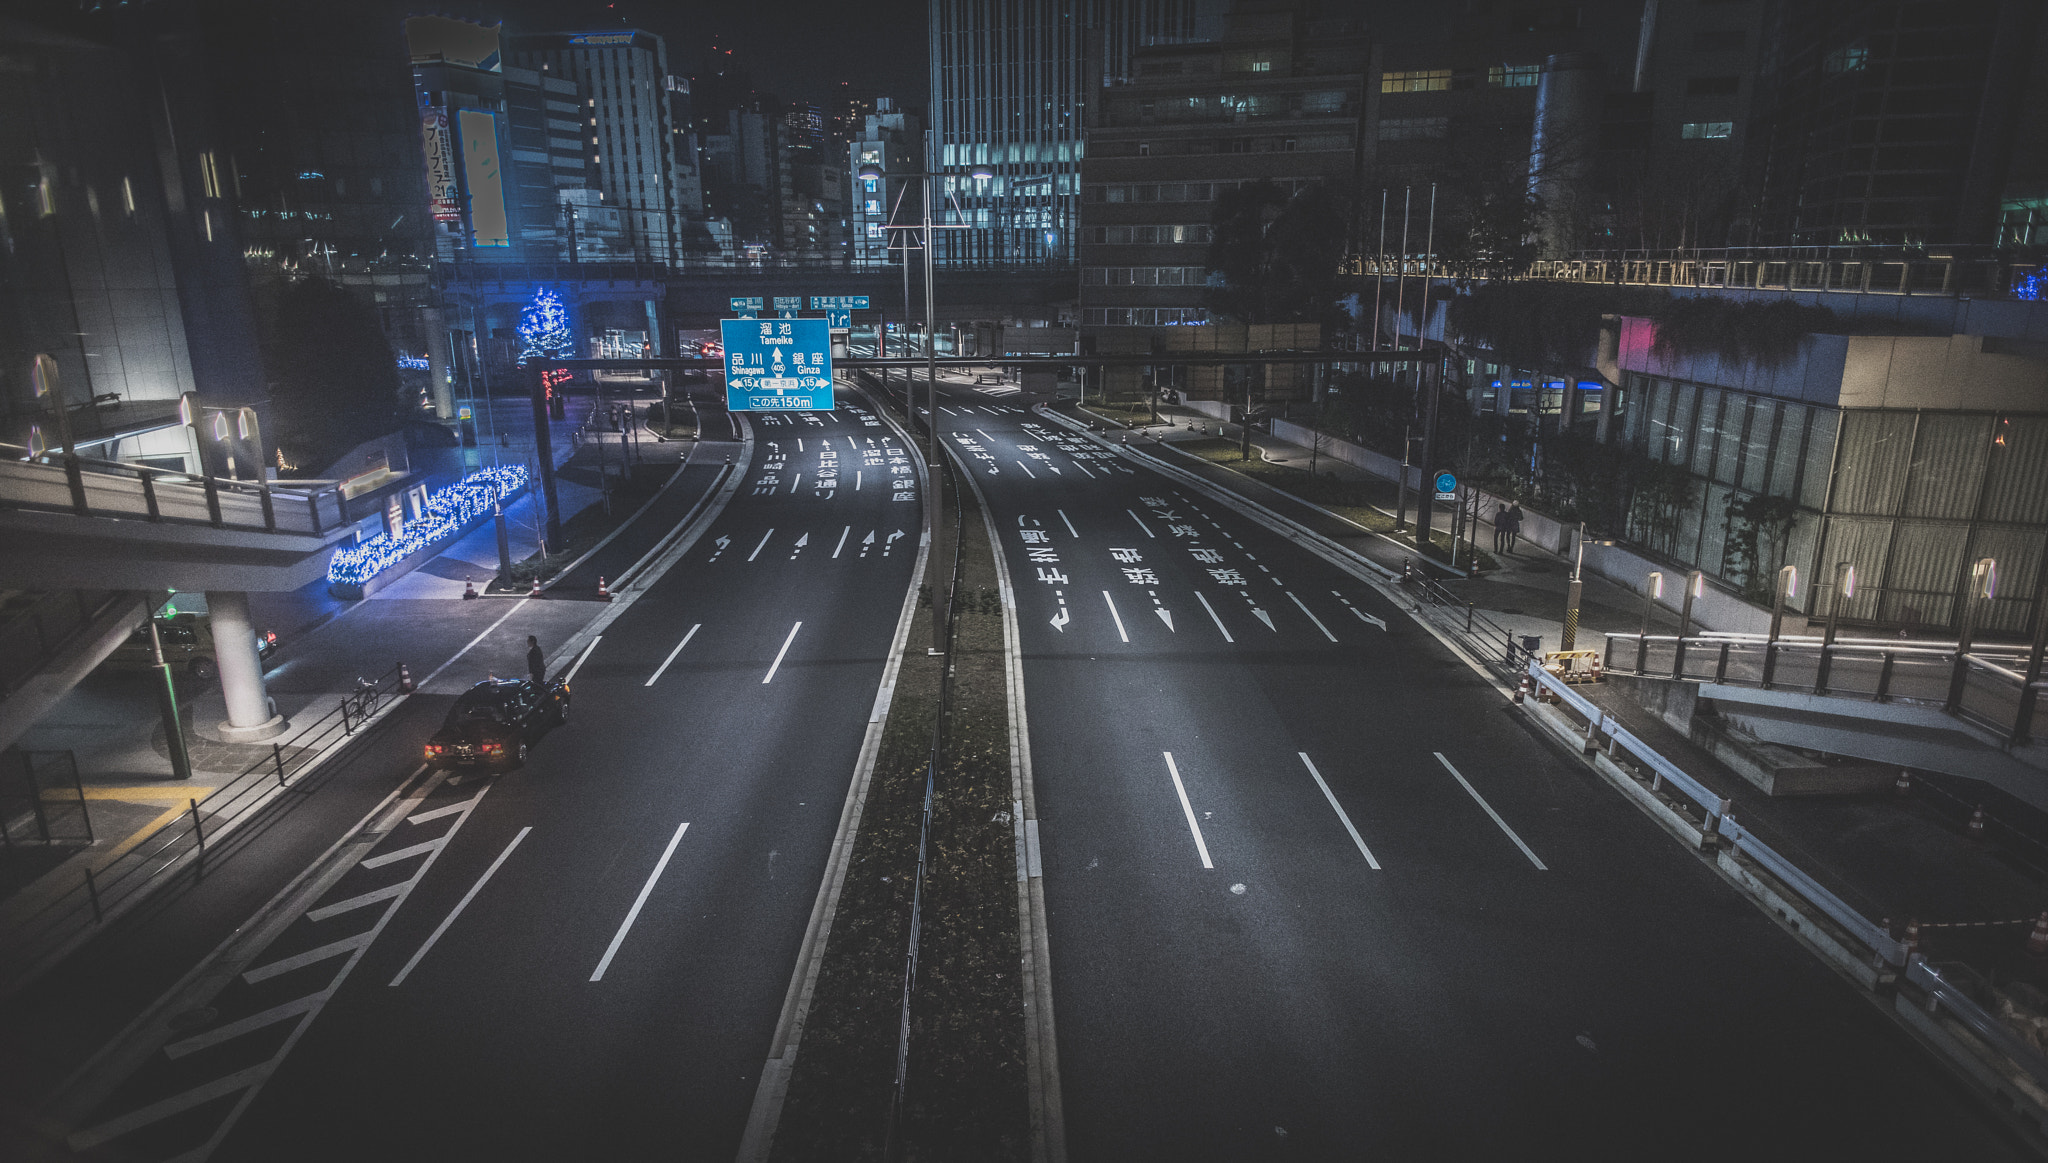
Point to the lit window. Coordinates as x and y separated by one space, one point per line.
1262 66
1514 76
1850 58
1706 129
1416 81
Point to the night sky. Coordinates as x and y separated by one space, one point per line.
810 50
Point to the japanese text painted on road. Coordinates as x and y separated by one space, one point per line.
777 365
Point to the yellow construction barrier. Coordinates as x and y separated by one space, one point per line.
1573 666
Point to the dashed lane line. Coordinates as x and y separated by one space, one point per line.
1188 809
1339 809
1481 801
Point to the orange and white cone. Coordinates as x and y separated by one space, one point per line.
468 588
1903 784
404 679
1522 688
1977 823
1912 938
603 594
535 591
2037 941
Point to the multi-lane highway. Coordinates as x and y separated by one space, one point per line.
585 958
1316 891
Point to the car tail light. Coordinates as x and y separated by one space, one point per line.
488 748
270 636
433 749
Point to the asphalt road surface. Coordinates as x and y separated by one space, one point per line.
1316 891
584 958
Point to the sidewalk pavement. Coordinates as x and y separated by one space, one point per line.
1903 858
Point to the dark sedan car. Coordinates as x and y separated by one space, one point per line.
493 721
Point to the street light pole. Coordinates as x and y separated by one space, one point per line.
1571 600
942 596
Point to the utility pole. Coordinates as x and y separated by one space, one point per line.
1425 500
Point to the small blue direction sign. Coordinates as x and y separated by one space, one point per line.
839 309
1446 486
777 365
746 307
788 305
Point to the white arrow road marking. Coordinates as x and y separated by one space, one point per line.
1027 470
722 542
1481 801
1312 617
1166 616
672 654
800 543
1332 797
1119 618
581 658
633 914
764 542
1213 617
1187 809
1141 524
1053 469
889 542
777 664
842 542
1069 524
1060 620
1362 615
1263 616
459 906
867 543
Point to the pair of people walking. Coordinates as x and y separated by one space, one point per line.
1507 528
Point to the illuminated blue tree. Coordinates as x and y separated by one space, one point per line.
544 326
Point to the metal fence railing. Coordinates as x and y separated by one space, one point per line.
87 487
36 940
42 800
1503 649
1987 686
38 626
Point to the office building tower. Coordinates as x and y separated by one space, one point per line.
623 77
891 141
1009 93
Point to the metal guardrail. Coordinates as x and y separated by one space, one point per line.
1878 938
1500 646
1982 686
38 938
1949 988
1713 807
87 487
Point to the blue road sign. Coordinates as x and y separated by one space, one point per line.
839 302
777 365
1446 486
837 319
747 306
788 305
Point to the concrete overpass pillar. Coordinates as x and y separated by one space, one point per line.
250 714
436 329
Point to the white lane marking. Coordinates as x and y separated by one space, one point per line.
250 1024
1067 523
777 664
633 914
1481 801
1141 524
1187 809
1213 617
1119 618
1027 470
1084 468
764 543
794 481
842 541
799 444
1311 617
516 606
986 436
459 906
672 654
856 479
582 658
309 957
357 902
947 411
437 813
404 853
177 1104
1341 815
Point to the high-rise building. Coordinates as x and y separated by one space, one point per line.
623 78
1011 82
891 141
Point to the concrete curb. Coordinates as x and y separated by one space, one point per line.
1041 1042
764 1118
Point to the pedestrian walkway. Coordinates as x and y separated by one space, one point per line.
1894 856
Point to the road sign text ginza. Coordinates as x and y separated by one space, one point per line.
777 365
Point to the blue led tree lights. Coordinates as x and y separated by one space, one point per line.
446 512
544 326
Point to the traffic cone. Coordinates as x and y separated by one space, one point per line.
1904 784
404 679
468 589
535 591
1522 688
1912 938
1977 823
1598 673
603 594
2037 941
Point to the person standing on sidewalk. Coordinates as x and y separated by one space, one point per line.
536 662
1500 529
1514 532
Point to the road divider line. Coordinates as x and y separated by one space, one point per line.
516 607
404 853
177 1104
777 664
1339 808
1481 801
633 914
842 541
1119 617
248 1025
582 658
1141 523
310 957
1213 617
459 906
1187 809
1067 523
1027 470
356 902
1311 616
437 813
763 545
678 650
1084 468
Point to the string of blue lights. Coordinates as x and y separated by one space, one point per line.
445 512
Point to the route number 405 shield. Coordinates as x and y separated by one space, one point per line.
777 365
